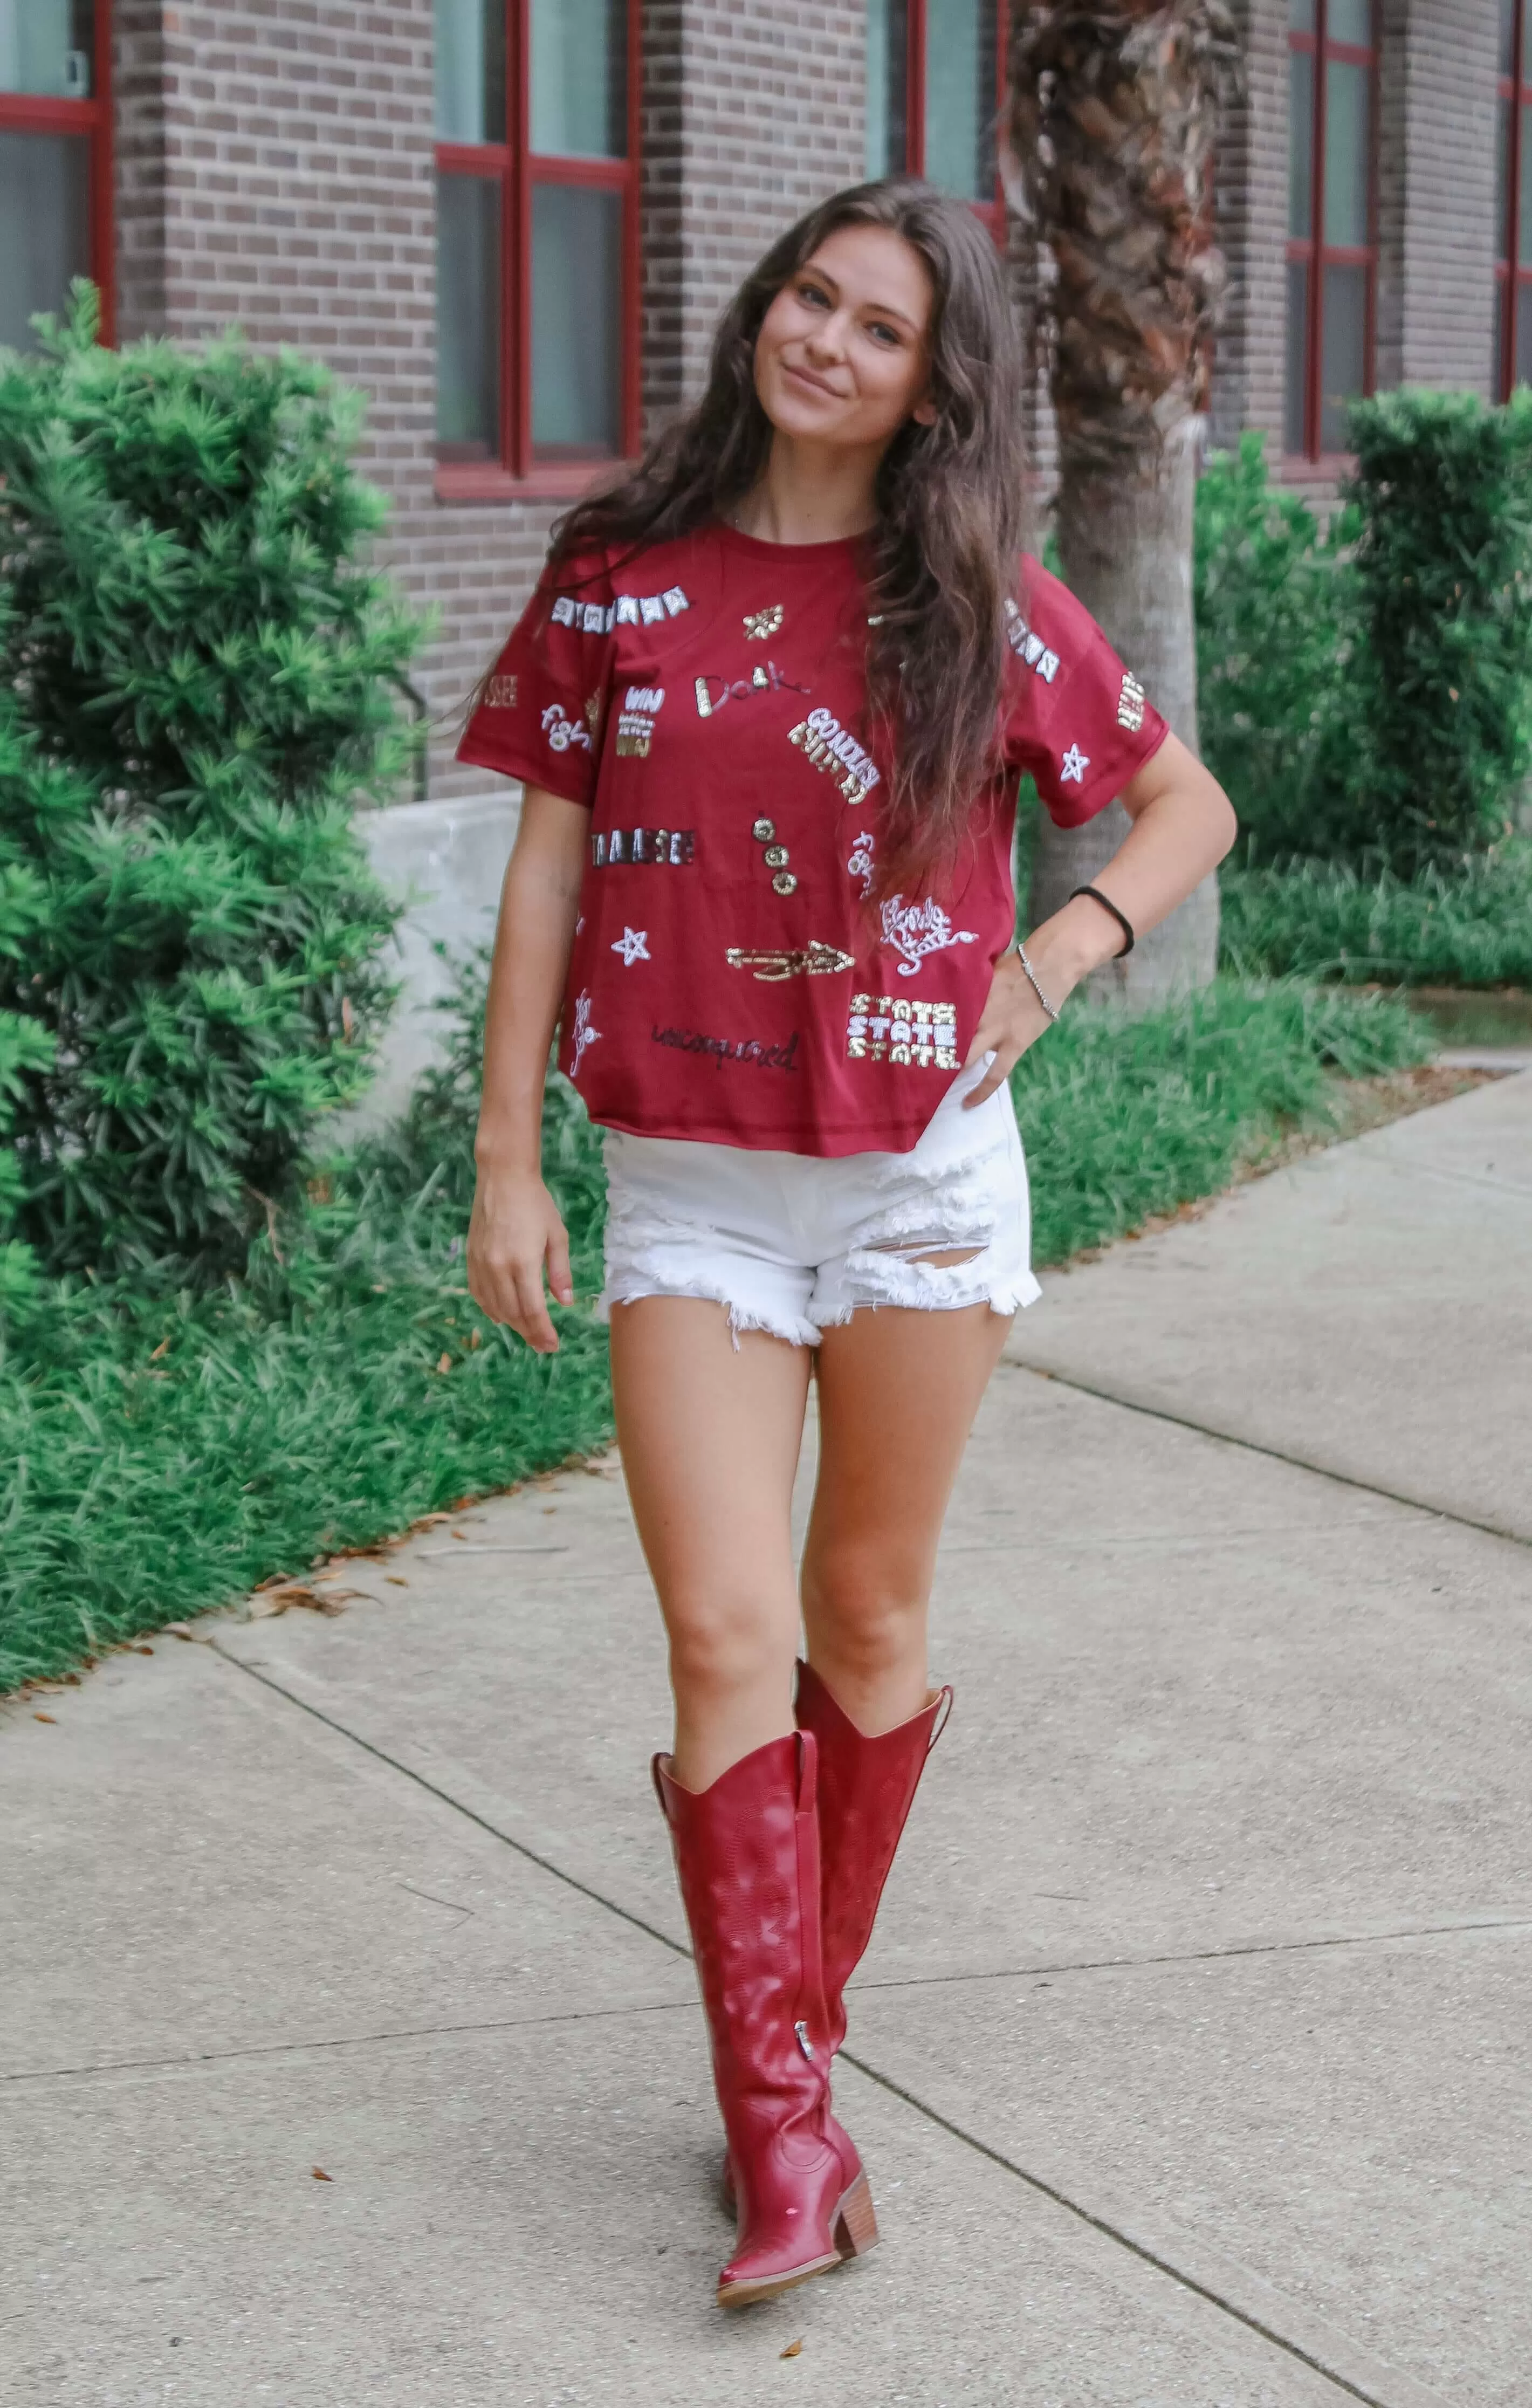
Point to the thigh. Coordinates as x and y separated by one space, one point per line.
899 1389
709 1432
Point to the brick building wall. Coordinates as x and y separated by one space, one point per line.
1249 205
1436 148
276 169
754 110
1436 154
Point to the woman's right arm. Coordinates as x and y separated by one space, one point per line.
516 1228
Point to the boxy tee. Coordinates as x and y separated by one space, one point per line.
731 980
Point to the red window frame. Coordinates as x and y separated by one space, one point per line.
1512 274
25 112
1315 251
518 473
992 211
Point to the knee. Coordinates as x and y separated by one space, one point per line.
722 1644
869 1607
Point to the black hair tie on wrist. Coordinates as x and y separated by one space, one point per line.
1121 917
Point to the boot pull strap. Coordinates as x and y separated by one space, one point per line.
807 1770
659 1787
944 1718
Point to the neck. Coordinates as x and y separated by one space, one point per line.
810 494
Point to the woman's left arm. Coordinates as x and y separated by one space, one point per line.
1183 823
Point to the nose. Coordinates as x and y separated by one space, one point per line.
827 339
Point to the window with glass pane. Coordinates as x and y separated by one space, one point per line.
960 96
55 186
888 70
1332 207
934 81
1512 361
535 232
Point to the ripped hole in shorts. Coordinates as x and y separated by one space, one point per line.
934 1247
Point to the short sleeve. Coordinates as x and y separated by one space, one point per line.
539 712
1077 718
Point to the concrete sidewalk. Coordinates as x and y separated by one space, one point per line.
1189 2062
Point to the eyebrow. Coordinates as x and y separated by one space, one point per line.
884 309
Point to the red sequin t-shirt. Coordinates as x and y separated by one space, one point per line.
705 700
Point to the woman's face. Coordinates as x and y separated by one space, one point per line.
843 355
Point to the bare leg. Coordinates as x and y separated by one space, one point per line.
898 1391
709 1438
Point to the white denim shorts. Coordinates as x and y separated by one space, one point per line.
791 1243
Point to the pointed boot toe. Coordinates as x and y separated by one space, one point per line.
773 2259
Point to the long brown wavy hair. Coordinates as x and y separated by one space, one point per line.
950 500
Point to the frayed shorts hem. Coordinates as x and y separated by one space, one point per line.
798 1330
793 1244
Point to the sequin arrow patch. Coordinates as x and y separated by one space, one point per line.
807 961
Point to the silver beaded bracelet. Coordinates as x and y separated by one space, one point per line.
1051 1010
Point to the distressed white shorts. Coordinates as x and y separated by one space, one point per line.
791 1243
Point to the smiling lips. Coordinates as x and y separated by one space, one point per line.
815 384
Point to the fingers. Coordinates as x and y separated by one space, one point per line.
1002 1061
531 1320
560 1277
513 1234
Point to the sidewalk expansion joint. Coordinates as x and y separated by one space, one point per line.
1198 1955
1141 2249
1161 1412
544 1864
184 2058
1414 2396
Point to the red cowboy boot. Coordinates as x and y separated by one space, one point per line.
747 1855
866 1787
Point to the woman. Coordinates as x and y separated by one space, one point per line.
769 705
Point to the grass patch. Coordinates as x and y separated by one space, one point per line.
1123 1119
158 1457
1322 920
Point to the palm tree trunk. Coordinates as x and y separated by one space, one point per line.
1113 114
1126 549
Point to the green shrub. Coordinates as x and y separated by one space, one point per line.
1364 684
1471 927
1277 633
1443 562
196 687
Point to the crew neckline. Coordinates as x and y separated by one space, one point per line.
762 548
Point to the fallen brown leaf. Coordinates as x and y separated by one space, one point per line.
395 1580
178 1630
475 1341
141 1651
275 1597
347 1018
45 1718
793 2349
445 1364
320 2175
163 1348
